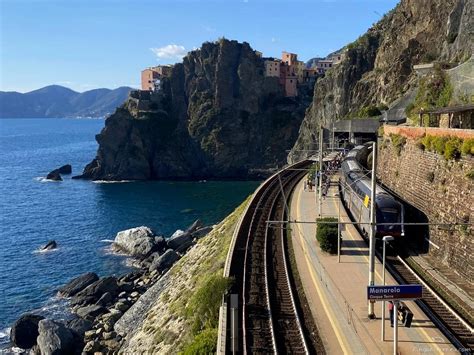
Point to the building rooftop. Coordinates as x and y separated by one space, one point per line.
452 109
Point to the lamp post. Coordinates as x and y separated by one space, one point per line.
385 240
372 227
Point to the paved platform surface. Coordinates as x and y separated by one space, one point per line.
337 292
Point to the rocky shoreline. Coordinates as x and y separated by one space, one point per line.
102 306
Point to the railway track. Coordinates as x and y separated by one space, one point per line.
270 319
453 326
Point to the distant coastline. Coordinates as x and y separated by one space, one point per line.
56 101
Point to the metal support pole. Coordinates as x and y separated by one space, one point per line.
320 192
371 312
234 323
395 327
338 230
385 240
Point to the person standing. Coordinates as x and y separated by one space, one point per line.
390 311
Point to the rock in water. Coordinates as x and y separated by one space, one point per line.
54 175
92 293
164 261
65 169
137 242
25 331
50 245
54 338
78 284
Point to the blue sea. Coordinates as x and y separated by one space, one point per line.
80 215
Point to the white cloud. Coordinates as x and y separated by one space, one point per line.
209 29
171 51
274 40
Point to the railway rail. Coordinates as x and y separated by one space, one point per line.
452 325
269 317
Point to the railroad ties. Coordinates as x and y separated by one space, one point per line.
270 318
444 318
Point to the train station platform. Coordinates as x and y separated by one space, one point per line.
337 292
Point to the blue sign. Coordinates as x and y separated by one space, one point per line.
395 292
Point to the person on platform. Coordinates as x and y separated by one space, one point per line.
390 311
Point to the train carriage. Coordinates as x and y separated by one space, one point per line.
356 192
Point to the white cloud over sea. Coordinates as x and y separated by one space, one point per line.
170 51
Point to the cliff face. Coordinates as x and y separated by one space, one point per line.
216 116
377 68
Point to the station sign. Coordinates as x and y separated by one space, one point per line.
394 292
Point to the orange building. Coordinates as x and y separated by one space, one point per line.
150 77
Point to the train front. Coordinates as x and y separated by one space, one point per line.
389 217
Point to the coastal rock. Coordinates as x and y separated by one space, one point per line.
54 338
180 242
50 245
201 232
65 169
105 299
215 115
195 226
137 242
90 312
78 284
25 331
54 175
92 293
164 261
79 326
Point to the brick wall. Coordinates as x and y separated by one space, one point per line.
437 187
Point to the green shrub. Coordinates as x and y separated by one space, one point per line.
470 174
203 307
467 147
326 235
427 142
203 343
439 144
398 142
452 148
369 111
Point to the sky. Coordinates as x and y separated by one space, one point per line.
87 44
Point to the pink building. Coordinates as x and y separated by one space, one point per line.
151 76
272 68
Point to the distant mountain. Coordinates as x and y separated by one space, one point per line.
58 101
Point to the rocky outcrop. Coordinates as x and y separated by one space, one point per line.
78 284
50 245
459 42
164 261
25 331
65 169
92 293
54 338
137 242
54 176
378 67
216 116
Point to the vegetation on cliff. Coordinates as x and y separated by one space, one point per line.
377 68
184 318
216 116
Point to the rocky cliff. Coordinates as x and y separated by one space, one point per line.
378 67
215 116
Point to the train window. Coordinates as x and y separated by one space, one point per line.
388 215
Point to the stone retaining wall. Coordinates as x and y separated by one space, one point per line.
437 187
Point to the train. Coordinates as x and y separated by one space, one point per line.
356 188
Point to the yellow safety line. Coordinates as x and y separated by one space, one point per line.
427 337
322 297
